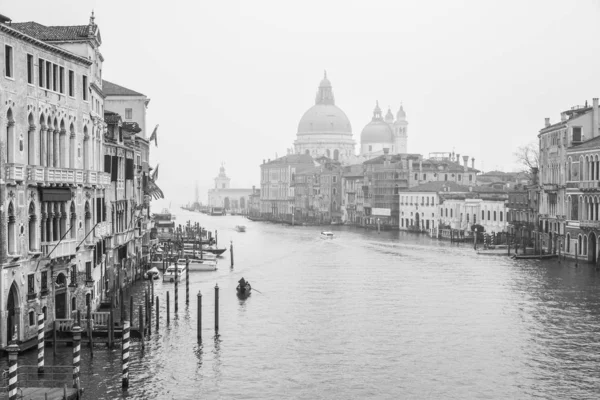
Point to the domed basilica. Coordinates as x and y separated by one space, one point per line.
325 130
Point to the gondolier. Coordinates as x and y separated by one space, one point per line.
243 288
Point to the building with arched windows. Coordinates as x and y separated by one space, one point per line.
59 239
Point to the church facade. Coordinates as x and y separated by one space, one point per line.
384 133
231 199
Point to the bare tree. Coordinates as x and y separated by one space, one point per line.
528 156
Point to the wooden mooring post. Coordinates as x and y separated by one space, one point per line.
168 309
141 322
40 343
176 287
90 330
125 353
187 281
76 354
13 377
157 313
216 310
199 322
131 311
111 328
231 252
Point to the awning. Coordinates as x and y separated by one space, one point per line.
55 194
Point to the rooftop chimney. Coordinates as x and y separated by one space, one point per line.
547 121
563 116
595 117
263 160
473 162
458 158
466 162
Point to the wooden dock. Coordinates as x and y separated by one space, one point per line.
43 394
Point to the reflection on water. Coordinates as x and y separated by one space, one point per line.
364 315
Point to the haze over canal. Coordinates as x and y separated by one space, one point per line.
366 315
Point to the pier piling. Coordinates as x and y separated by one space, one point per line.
141 322
176 287
76 351
131 310
168 309
157 313
231 252
54 342
125 353
40 360
90 330
13 377
199 316
187 281
111 327
216 309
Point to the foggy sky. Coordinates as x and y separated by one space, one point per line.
229 80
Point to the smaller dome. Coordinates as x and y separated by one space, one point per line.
376 131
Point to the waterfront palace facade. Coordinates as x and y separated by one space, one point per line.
73 178
234 200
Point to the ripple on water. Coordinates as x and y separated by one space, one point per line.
366 315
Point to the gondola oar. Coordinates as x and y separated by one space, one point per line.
257 291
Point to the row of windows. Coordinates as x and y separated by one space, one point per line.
424 200
50 76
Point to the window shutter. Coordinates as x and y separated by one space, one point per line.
115 169
129 168
107 164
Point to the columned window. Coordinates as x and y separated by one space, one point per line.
33 240
42 142
88 219
86 151
63 154
73 220
72 147
31 158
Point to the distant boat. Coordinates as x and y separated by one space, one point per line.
240 228
217 211
173 272
197 264
326 235
213 249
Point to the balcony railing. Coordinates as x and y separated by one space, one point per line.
589 224
60 175
15 172
35 173
103 229
64 248
91 178
589 184
31 296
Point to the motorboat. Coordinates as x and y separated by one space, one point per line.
152 273
202 255
174 272
213 249
240 228
196 264
326 235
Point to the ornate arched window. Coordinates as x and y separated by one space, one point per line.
33 240
73 223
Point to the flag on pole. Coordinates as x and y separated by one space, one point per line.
153 136
155 173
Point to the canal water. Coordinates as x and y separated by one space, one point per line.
365 315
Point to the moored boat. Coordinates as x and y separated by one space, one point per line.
174 272
152 273
196 264
213 249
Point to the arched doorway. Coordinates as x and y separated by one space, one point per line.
417 223
226 203
12 312
592 256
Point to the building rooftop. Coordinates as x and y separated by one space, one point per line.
439 186
52 33
592 143
292 159
112 89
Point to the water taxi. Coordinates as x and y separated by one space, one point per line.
326 235
240 228
173 272
197 264
204 255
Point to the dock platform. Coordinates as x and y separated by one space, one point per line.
42 393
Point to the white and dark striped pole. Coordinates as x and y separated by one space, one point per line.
76 354
125 353
13 355
40 343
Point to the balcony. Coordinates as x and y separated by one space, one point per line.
60 175
103 229
121 238
91 178
65 248
89 282
103 178
31 296
35 174
550 186
590 224
44 292
588 185
15 172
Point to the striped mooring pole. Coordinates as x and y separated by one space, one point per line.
40 343
176 286
125 353
76 351
13 355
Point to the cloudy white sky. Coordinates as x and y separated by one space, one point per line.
229 80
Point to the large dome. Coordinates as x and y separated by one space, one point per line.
324 118
376 131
